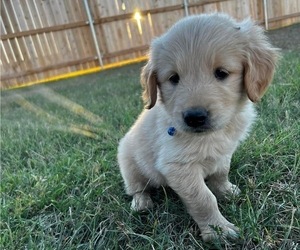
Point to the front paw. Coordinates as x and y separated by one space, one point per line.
141 202
226 190
212 232
232 190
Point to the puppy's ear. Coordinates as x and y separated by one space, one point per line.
260 61
149 83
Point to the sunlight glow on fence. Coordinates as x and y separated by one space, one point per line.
138 17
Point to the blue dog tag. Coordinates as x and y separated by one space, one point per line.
171 131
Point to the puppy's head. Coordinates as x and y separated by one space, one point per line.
205 68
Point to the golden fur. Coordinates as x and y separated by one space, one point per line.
195 161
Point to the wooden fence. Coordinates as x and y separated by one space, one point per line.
41 39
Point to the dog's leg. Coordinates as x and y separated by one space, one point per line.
201 204
219 183
136 185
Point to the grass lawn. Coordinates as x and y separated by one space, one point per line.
61 187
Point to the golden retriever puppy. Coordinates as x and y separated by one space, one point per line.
200 83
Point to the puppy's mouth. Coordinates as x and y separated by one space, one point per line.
199 130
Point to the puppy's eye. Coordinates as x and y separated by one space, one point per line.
174 79
221 74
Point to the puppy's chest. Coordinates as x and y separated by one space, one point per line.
207 154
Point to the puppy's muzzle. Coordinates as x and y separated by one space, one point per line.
196 119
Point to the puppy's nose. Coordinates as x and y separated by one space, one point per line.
195 117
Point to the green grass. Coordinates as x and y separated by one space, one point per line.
61 187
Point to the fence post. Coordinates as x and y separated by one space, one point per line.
92 28
266 15
186 7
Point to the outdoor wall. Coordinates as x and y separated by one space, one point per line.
44 40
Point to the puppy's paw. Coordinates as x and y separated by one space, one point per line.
211 233
141 202
226 191
233 190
